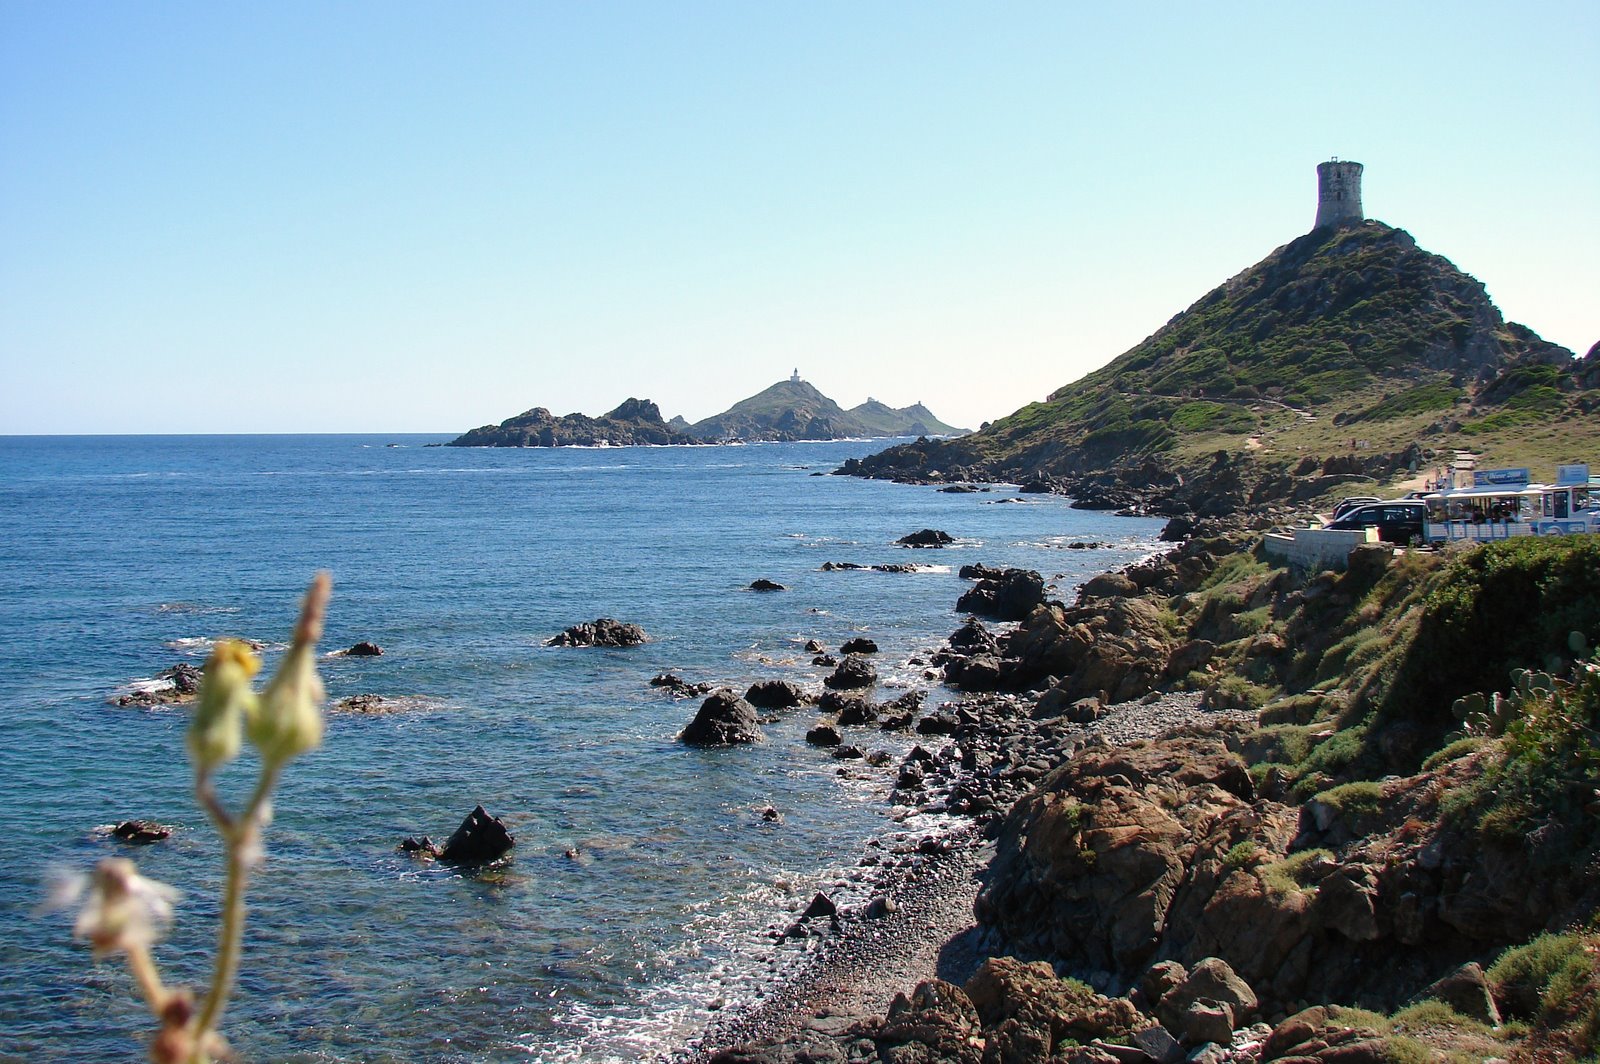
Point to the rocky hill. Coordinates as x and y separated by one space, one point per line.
795 410
789 410
635 422
1349 352
881 419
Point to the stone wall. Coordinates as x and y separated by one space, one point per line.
1316 549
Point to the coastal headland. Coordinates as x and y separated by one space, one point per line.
1228 810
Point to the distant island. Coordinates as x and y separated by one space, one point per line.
787 411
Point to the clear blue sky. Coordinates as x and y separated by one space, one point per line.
404 216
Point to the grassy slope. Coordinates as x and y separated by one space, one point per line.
1380 654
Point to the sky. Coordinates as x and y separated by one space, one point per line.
419 217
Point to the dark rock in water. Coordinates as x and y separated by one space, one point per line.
771 815
141 832
974 638
979 571
481 838
910 702
838 701
958 489
821 905
602 632
858 712
766 585
853 672
928 537
678 687
365 705
184 684
814 647
824 735
829 567
849 753
724 719
859 645
775 694
420 847
1011 597
980 672
938 724
827 661
363 650
1036 486
185 679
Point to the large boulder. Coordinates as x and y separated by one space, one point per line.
602 632
775 694
928 537
853 673
1033 997
1009 597
724 719
480 839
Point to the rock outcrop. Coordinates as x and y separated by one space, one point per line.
635 422
601 632
724 719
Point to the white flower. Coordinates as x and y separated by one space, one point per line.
122 910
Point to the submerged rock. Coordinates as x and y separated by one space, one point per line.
180 684
859 645
141 832
361 650
766 585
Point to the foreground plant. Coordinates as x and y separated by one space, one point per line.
124 913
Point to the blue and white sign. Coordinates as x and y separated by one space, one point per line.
1575 473
1501 478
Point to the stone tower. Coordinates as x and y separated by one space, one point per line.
1338 194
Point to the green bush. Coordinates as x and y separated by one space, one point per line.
1359 799
1291 875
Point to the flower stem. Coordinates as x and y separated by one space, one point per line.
143 967
242 840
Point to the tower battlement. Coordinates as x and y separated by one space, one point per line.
1338 193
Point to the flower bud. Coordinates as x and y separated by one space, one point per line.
289 719
225 698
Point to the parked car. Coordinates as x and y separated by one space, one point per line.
1397 521
1346 505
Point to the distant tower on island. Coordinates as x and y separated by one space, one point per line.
1338 194
794 378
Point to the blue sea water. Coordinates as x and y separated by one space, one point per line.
644 875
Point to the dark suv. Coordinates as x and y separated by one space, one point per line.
1398 521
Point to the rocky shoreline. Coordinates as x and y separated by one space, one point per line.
1211 807
920 922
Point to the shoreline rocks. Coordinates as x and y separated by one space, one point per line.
724 719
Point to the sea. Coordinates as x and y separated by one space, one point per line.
647 883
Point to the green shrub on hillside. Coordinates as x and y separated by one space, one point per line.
1495 608
1418 400
1213 417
